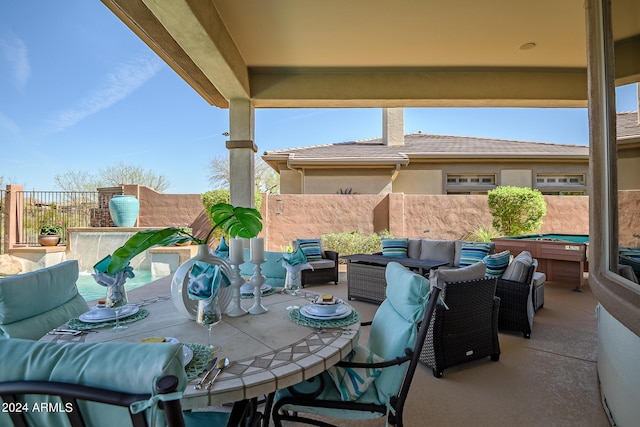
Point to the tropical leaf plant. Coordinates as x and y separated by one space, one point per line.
235 221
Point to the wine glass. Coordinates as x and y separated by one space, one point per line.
117 299
208 315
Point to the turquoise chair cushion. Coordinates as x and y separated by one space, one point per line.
393 328
127 367
331 393
392 331
35 327
33 303
353 382
272 269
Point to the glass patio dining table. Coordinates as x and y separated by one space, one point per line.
267 351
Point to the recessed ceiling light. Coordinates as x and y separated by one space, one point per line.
527 46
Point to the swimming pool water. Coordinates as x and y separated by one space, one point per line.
90 290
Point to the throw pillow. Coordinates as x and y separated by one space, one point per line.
519 267
441 276
311 247
396 248
472 253
438 250
497 263
353 382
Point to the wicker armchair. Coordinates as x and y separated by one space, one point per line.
516 303
321 273
467 330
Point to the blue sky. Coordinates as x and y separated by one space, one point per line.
79 91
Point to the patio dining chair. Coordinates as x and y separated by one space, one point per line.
101 384
390 358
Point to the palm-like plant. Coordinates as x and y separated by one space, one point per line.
235 221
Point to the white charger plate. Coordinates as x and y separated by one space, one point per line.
339 315
97 316
248 288
187 353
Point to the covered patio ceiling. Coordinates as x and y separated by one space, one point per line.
381 53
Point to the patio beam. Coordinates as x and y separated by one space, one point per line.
461 87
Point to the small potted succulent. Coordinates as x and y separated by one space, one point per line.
50 233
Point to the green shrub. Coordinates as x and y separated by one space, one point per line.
354 242
516 210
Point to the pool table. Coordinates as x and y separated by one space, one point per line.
561 257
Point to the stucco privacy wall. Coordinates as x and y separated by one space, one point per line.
288 216
164 210
446 217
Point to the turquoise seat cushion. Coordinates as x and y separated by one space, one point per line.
353 382
330 392
394 325
127 367
392 331
396 248
272 269
32 304
35 327
26 295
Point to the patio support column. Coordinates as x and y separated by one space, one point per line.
241 153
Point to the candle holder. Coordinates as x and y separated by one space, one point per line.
237 281
257 280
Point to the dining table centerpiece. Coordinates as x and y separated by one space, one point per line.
113 270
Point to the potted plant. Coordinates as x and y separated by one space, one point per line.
50 233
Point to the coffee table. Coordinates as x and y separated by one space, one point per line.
366 274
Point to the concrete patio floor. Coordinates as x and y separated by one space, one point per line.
549 380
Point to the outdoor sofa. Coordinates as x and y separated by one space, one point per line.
365 273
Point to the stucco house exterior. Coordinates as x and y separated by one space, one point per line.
421 163
628 129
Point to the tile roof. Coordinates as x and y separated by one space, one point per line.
424 145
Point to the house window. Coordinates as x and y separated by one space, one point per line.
561 185
554 180
470 184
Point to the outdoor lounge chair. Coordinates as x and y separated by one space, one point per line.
397 334
464 326
516 301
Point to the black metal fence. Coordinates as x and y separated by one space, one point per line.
63 208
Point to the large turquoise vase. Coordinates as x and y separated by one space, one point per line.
124 210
